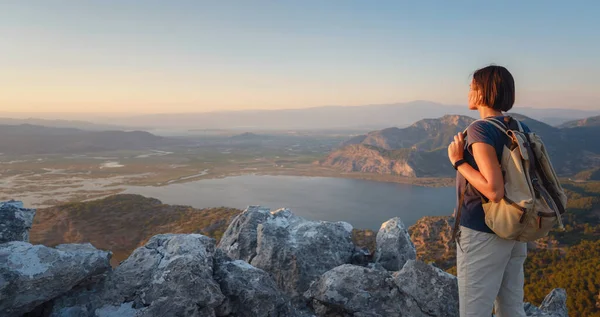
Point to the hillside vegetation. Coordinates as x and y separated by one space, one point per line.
121 223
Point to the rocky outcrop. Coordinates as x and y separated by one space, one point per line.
33 274
293 250
15 221
434 291
418 290
171 275
555 303
239 240
249 291
350 290
178 275
394 247
296 251
298 268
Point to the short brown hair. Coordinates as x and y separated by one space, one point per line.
497 87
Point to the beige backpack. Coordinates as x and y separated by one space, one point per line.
533 197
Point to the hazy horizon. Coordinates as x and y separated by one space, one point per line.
370 117
82 115
106 57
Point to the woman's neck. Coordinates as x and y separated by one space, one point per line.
485 112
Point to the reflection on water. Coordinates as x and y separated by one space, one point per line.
364 204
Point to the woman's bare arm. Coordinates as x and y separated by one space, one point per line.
488 180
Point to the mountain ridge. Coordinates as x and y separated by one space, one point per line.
61 123
587 122
34 139
419 150
374 116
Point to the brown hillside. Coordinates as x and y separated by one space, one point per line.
364 158
121 223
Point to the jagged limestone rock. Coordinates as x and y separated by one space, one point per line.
249 291
239 240
394 246
171 275
434 291
185 275
350 290
296 251
33 274
15 221
555 303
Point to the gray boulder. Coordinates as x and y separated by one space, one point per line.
172 275
418 290
249 291
33 274
555 304
15 221
532 310
394 246
350 290
239 240
296 251
434 291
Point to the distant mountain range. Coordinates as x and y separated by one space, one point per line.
587 122
33 139
368 117
420 149
330 117
76 124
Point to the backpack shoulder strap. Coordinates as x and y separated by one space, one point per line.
497 124
458 213
519 125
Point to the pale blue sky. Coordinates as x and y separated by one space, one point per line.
176 56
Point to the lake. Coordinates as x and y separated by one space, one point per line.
363 203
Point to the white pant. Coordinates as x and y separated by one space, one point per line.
489 269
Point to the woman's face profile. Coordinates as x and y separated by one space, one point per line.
474 96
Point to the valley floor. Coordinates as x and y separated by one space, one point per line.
43 181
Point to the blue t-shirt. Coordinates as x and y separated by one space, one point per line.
472 215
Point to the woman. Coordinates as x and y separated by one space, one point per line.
490 269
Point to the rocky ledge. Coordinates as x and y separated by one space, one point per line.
15 221
268 263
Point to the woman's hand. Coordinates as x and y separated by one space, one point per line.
456 148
